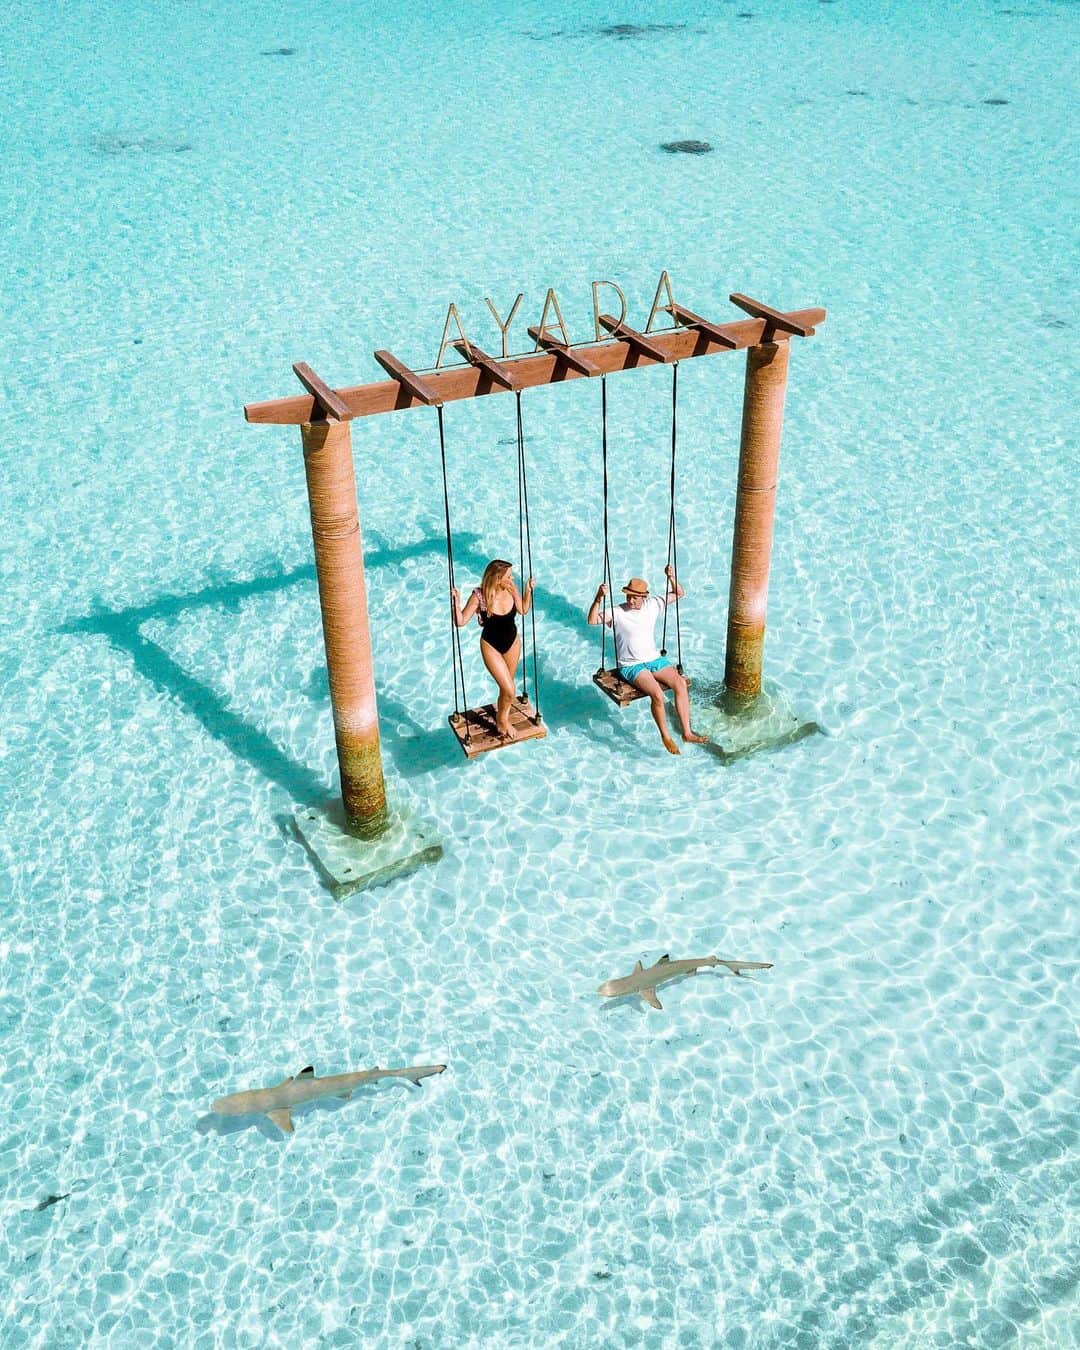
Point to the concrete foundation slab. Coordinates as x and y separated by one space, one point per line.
736 729
351 864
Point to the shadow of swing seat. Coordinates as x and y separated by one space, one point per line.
476 731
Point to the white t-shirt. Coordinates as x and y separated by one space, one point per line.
635 630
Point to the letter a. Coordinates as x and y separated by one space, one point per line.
451 313
664 284
509 318
596 306
551 301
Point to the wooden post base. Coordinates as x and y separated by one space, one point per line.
739 727
351 864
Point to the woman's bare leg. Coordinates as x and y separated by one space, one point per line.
511 659
496 666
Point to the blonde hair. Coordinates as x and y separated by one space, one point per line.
491 582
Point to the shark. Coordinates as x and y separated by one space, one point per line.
278 1101
643 980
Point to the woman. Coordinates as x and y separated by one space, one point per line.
496 602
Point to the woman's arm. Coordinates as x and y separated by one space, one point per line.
462 616
524 603
594 609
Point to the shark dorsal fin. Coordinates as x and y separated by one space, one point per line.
309 1072
637 966
664 959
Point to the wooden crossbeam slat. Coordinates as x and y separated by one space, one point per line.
332 405
573 359
689 319
776 317
532 370
475 357
408 379
638 341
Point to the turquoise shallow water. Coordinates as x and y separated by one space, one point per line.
872 1144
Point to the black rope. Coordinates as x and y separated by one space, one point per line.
456 661
526 556
521 534
673 550
606 575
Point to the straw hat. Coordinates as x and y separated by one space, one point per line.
635 586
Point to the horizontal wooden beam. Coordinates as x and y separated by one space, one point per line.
642 345
532 370
689 319
572 358
334 408
491 368
788 323
408 379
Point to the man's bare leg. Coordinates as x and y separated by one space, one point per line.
671 678
647 683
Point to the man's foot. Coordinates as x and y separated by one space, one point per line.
692 738
507 732
670 746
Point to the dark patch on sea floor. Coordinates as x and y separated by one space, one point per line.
908 101
139 145
686 147
48 1202
279 51
620 32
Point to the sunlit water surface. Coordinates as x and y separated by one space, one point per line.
872 1144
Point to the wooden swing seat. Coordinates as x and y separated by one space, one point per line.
476 731
620 691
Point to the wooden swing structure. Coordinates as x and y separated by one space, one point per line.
323 415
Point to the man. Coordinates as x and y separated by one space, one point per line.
637 655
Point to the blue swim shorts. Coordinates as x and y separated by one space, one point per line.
631 673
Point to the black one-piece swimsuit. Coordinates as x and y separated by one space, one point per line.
498 629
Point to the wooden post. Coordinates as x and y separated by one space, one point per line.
339 563
759 459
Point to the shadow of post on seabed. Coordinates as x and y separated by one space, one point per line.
414 751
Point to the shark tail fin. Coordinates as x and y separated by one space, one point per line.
425 1073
